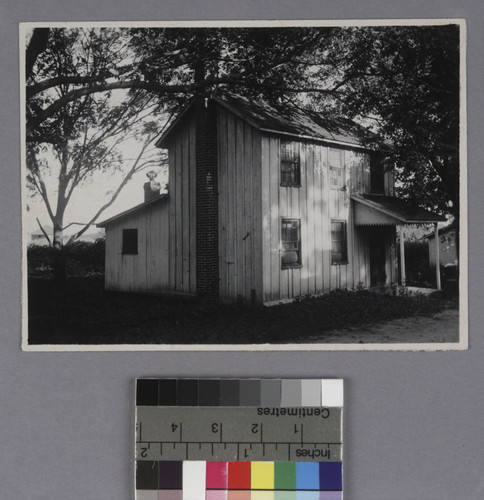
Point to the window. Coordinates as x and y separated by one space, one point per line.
336 169
290 243
339 250
130 241
290 164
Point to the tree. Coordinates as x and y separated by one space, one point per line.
403 81
86 135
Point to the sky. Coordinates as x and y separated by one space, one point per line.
88 198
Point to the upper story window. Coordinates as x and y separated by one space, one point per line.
130 242
290 164
336 169
290 243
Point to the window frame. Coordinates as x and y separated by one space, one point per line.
341 168
294 163
298 264
129 244
344 259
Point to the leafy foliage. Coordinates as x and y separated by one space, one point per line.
401 80
84 135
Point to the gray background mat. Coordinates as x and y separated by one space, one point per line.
413 420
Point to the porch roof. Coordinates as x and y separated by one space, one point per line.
379 210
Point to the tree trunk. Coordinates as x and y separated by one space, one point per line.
60 268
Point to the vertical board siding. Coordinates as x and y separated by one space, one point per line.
181 186
166 260
240 208
315 204
144 272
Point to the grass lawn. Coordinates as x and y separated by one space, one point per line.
84 313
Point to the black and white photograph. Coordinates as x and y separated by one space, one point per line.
250 185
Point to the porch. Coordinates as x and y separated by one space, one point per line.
380 216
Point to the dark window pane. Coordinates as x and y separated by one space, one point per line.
290 243
336 168
130 241
290 164
339 251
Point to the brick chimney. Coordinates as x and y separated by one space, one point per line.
206 198
152 188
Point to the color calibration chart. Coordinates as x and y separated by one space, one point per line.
239 439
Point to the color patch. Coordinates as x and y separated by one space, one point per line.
146 495
147 392
209 393
331 495
170 495
239 475
285 495
307 476
262 495
332 392
249 393
170 475
167 392
307 495
270 392
262 475
217 475
285 475
311 392
146 475
330 476
193 480
229 393
187 392
238 495
216 495
291 393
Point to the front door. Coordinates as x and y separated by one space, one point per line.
378 275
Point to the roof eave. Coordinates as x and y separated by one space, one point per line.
395 215
161 142
132 210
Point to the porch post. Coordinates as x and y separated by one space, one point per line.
402 257
437 256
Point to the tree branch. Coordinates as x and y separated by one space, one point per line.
35 121
43 230
113 197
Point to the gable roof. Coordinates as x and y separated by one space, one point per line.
130 211
290 121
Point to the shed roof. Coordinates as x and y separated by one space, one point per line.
291 121
132 210
374 209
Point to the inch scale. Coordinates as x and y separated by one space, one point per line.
302 434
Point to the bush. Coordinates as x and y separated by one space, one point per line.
83 258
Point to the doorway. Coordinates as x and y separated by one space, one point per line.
378 275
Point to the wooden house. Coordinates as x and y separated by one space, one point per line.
447 245
261 206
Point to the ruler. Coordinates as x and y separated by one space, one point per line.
234 434
196 426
